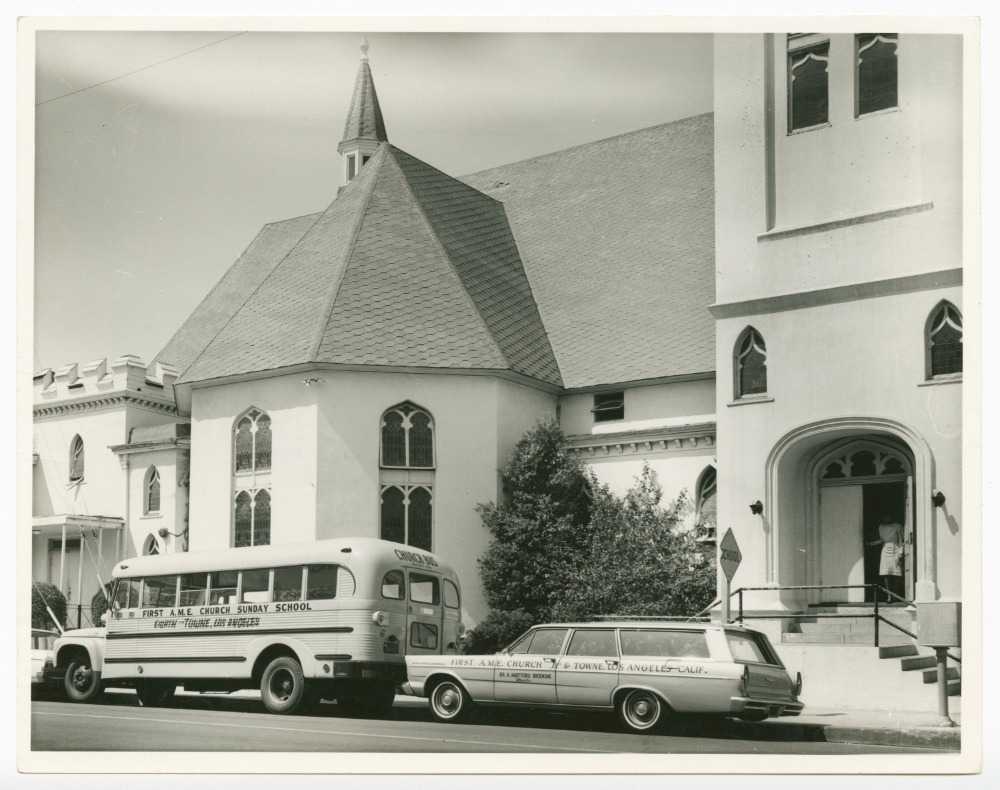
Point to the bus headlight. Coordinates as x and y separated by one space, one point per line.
378 618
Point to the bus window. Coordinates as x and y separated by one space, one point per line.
424 635
392 585
288 583
160 591
256 587
222 587
424 589
321 582
194 589
451 599
127 594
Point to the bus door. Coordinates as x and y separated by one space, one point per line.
424 616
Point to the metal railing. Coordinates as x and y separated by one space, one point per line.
876 615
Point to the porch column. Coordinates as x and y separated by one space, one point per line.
62 560
79 570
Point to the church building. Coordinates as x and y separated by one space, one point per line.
763 301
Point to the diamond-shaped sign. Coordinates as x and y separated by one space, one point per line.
729 554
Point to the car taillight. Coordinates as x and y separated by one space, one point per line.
745 682
797 688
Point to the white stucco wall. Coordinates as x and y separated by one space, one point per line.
649 406
173 502
859 358
325 462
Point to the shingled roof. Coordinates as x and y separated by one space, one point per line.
364 117
618 240
407 267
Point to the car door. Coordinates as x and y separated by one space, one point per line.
423 614
529 674
587 673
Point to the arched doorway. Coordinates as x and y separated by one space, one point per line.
856 482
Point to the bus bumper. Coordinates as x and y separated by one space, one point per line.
384 671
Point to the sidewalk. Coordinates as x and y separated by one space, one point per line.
881 727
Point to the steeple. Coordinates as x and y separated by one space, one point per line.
364 129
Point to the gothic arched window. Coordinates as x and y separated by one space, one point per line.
76 459
943 341
706 504
750 364
406 475
151 491
252 479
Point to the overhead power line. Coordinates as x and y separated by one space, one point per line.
142 68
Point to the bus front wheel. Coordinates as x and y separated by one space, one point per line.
282 686
80 681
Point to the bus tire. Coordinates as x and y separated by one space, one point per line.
81 682
155 693
449 702
282 686
639 710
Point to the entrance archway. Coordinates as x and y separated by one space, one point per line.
789 520
857 481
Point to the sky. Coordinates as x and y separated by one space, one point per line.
149 186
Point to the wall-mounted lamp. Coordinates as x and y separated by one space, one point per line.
937 498
163 532
757 507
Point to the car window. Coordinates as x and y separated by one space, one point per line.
750 648
593 642
547 641
522 644
663 644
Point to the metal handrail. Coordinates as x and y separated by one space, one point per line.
876 616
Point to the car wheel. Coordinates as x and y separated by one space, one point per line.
449 701
155 694
282 686
640 710
81 682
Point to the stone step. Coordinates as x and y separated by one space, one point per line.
898 651
951 673
917 662
842 638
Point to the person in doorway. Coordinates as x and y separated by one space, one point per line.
890 564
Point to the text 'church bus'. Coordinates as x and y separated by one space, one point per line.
326 620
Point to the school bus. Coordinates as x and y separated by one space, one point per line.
331 619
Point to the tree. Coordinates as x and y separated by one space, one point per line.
564 547
642 559
43 593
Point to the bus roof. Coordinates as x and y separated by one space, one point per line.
346 551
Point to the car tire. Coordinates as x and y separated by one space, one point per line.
155 693
640 710
282 685
449 702
81 682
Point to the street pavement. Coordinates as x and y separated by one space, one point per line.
219 723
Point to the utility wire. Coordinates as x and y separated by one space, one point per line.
143 68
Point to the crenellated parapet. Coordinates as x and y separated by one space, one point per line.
102 383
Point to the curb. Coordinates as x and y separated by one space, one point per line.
947 738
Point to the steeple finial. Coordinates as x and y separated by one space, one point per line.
364 129
364 47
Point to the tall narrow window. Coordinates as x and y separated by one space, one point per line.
808 83
252 479
750 364
943 341
706 504
877 73
406 475
151 491
352 166
76 459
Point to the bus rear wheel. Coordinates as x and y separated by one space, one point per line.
155 693
282 686
80 681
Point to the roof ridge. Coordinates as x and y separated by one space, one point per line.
359 220
252 293
559 151
444 250
291 219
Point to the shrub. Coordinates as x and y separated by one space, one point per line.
99 604
42 593
498 630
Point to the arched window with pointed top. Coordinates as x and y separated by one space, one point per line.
76 459
251 504
943 341
705 508
750 364
406 475
151 491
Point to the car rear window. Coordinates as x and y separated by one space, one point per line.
663 644
750 648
